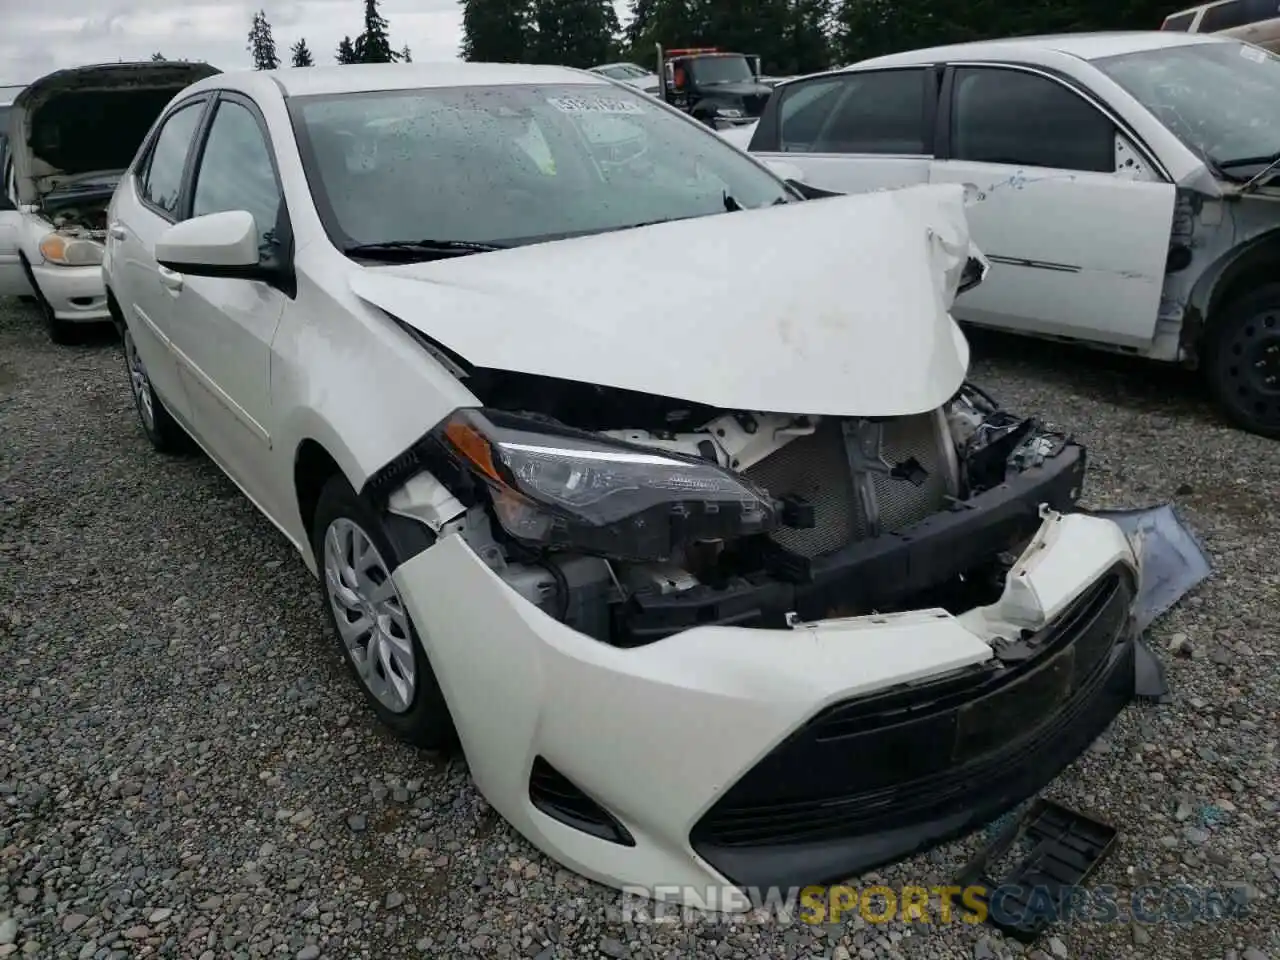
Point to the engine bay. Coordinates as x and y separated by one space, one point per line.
864 516
77 213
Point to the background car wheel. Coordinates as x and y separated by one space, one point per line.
1243 360
374 631
60 331
161 429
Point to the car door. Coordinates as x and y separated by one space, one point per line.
853 132
222 328
13 280
1078 244
148 201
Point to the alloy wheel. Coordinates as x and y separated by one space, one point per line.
139 383
370 615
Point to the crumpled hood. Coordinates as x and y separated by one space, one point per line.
90 119
825 307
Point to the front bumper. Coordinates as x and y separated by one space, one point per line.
672 742
76 294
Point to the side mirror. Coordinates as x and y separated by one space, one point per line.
785 171
215 245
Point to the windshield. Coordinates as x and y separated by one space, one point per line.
1221 99
513 164
721 70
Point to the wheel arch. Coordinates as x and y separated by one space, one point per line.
1231 276
317 456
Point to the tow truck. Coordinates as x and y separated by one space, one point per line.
719 88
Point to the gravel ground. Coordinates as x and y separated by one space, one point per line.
186 771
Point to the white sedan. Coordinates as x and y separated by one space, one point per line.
1124 186
719 584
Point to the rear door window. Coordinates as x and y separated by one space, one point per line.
1179 21
1224 16
876 112
161 186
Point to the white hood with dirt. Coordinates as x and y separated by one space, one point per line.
830 307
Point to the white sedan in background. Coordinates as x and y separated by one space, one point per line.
1126 187
67 139
672 554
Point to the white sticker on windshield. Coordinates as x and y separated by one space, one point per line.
595 105
1256 54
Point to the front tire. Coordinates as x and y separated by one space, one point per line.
370 620
1243 360
60 331
162 430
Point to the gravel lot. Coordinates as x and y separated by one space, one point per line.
186 771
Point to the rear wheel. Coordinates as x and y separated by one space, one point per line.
161 429
374 630
1243 360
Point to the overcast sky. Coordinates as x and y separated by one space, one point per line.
38 37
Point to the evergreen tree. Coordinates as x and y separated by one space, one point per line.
261 44
374 46
638 31
405 56
301 54
672 23
574 33
346 51
158 57
496 31
806 45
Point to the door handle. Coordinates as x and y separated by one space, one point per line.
117 232
172 281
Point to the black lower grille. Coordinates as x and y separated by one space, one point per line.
884 761
556 796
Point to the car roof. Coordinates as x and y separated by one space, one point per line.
1085 46
371 77
9 93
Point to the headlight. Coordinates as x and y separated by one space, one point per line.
71 251
552 486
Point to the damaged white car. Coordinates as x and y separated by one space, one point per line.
70 135
719 583
1126 186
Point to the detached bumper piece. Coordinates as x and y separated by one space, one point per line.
1065 848
877 778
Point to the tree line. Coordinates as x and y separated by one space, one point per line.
371 45
790 36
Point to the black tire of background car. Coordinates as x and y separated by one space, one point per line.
60 331
427 723
167 436
1241 327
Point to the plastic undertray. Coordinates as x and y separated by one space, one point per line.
1063 848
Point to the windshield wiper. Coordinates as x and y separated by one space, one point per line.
418 249
1272 163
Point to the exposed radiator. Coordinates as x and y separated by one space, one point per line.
819 469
